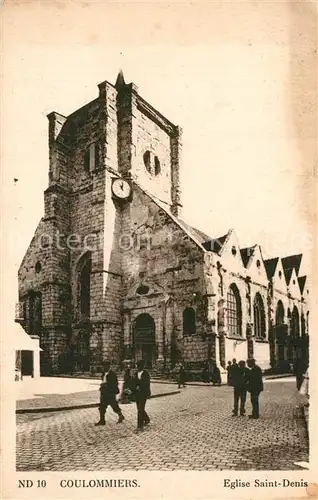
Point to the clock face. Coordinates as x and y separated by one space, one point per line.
121 188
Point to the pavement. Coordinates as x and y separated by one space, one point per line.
191 430
47 394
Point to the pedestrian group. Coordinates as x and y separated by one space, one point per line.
135 388
244 380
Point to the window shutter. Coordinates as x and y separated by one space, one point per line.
92 157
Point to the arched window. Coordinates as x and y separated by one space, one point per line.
295 323
259 317
280 313
84 282
234 311
189 323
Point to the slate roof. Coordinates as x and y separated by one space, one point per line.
289 263
209 243
270 266
202 237
302 282
246 254
215 244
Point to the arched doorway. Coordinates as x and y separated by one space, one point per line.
145 339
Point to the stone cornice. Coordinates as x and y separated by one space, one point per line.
155 116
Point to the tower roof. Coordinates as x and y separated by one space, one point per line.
120 81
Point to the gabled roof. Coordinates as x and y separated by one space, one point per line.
288 272
216 244
302 282
292 262
202 237
246 254
270 266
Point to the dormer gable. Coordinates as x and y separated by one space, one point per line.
293 285
255 267
278 277
230 254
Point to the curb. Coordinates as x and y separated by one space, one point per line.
21 411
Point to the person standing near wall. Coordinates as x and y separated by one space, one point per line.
228 369
255 386
240 384
181 376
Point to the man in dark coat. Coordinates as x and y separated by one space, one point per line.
141 386
299 369
215 374
228 369
255 386
108 391
240 383
181 376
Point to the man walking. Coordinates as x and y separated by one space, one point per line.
181 376
108 391
142 393
255 386
240 384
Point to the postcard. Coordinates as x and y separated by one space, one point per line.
159 250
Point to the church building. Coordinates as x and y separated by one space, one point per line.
114 272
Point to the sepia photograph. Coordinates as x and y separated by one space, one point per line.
162 210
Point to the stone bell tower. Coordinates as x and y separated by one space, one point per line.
149 146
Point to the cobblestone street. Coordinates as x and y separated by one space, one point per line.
193 430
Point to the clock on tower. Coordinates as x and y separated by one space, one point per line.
121 189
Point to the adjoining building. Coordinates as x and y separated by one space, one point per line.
113 271
27 353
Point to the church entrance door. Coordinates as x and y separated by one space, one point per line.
145 339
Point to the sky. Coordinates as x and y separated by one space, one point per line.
238 77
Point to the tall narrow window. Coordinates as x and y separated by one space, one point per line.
259 317
86 161
295 323
234 311
84 287
189 322
280 313
91 157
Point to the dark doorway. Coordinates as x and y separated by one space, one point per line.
145 340
27 363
